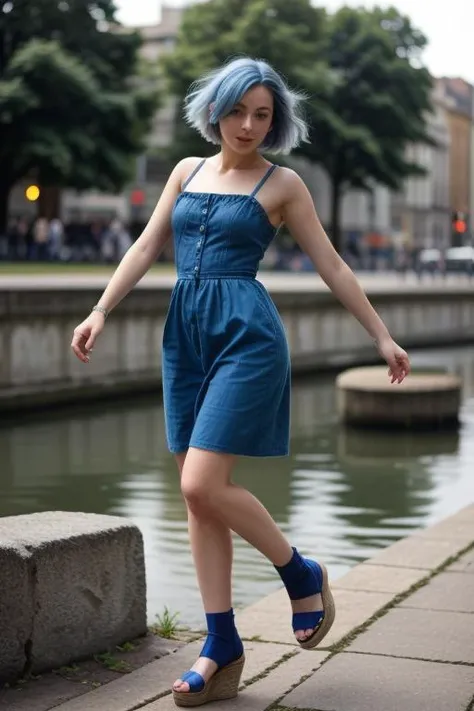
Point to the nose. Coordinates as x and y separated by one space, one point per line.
247 122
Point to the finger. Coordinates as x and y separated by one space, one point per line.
90 342
77 346
77 351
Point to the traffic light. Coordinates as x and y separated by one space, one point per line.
459 222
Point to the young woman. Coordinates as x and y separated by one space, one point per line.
226 367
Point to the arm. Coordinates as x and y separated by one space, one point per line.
135 263
301 219
144 252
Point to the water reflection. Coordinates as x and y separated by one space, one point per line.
341 495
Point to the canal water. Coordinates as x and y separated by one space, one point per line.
340 496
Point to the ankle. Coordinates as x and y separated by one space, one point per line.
298 577
223 644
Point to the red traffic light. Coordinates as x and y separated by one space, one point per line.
137 197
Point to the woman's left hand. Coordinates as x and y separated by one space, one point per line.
396 357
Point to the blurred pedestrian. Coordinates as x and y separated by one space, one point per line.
55 238
39 248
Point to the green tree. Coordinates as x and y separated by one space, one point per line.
377 105
368 93
281 32
73 108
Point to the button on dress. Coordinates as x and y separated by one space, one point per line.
226 363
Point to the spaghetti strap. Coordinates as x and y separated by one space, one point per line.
263 180
193 173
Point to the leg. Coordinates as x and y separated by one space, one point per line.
211 545
209 492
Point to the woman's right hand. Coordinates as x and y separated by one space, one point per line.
85 335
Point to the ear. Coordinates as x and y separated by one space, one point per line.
211 108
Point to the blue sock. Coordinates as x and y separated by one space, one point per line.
223 644
300 576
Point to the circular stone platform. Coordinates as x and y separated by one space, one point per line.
426 400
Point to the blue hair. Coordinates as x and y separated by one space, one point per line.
224 88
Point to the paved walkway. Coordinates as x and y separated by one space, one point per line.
403 640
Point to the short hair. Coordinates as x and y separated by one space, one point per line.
225 86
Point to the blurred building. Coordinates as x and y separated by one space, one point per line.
458 95
471 191
421 212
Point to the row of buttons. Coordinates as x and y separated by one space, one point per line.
199 243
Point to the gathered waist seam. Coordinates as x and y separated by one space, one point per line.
217 275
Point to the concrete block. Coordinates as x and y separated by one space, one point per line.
422 634
446 591
78 588
359 682
16 609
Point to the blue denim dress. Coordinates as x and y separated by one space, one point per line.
226 363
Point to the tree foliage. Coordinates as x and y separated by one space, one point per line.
73 110
376 106
281 32
368 93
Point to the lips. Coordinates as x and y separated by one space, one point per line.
244 140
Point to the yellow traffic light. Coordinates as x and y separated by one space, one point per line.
32 193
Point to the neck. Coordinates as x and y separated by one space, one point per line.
227 160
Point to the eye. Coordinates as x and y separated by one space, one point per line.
234 111
262 117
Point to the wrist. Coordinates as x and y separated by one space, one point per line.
381 337
100 309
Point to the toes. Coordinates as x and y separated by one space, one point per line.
303 635
181 686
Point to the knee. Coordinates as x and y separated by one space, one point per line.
196 495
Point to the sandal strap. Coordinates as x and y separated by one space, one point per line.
307 620
308 583
195 681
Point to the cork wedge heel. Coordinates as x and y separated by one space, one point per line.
224 684
329 608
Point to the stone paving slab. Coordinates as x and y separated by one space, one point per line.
155 679
270 618
420 634
260 695
447 591
363 682
380 578
420 551
465 564
458 527
48 690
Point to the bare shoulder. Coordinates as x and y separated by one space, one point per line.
289 183
185 167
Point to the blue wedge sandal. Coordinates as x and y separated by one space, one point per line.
224 646
302 578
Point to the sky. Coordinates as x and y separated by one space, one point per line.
448 26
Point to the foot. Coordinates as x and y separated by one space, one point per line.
203 666
313 603
222 646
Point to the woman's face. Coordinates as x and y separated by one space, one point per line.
247 125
